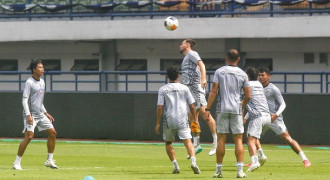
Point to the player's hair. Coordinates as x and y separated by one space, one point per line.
172 73
264 70
252 73
191 42
34 64
233 55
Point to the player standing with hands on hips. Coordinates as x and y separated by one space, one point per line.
35 114
228 82
194 76
172 107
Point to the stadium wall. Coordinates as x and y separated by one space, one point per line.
203 28
287 53
126 116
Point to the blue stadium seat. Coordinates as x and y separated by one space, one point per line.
38 10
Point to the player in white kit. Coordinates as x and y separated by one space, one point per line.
258 115
35 114
228 83
194 76
276 107
172 107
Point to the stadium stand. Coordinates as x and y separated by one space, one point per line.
192 8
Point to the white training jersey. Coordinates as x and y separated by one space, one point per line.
34 90
257 105
231 81
175 98
274 98
190 72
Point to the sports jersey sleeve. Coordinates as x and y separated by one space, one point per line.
43 109
26 94
161 97
246 81
194 57
215 77
279 98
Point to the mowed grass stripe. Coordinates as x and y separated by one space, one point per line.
134 161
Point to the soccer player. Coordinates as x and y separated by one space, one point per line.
258 113
35 114
172 106
228 82
276 107
194 76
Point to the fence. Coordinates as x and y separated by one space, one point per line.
111 9
148 81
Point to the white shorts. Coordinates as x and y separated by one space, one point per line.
278 126
169 134
199 95
42 123
255 125
232 121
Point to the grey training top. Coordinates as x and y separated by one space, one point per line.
175 98
34 90
231 81
191 73
257 105
275 99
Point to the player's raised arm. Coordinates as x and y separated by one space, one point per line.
203 73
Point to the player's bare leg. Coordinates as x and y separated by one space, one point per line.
171 154
239 153
211 123
195 131
191 152
252 141
220 153
27 139
21 149
295 147
51 146
51 140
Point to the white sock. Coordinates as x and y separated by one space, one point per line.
261 152
302 155
175 164
219 168
240 166
215 138
50 156
254 159
196 141
193 161
18 160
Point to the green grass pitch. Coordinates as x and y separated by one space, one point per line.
113 160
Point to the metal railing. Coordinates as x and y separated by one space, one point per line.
193 10
148 81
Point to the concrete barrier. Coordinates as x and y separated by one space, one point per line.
128 116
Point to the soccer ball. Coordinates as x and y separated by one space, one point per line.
89 178
171 23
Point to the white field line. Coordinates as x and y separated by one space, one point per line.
182 147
